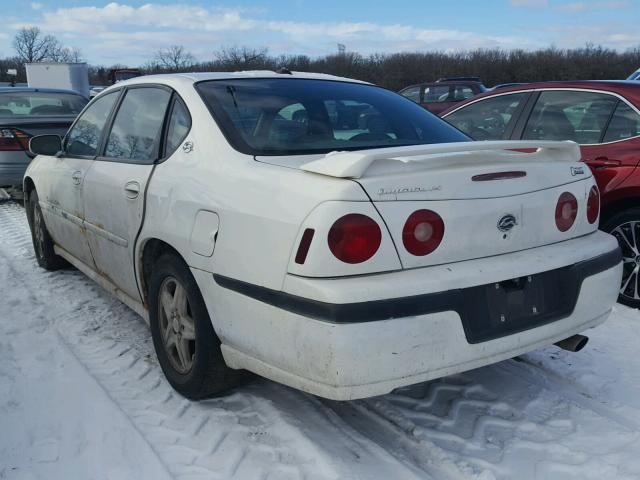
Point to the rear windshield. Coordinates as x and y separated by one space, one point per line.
40 103
301 116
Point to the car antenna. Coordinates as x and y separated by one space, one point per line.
284 71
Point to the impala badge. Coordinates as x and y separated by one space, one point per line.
577 171
507 222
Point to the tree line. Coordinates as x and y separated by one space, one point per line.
391 70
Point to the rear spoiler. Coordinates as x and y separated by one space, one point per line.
355 164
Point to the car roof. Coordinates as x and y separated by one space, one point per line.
194 77
34 89
630 89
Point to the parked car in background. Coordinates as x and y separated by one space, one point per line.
95 90
604 118
635 75
255 228
120 74
445 92
25 112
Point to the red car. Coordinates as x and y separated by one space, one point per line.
442 94
603 117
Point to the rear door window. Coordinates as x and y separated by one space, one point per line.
84 137
136 131
178 128
488 119
570 115
624 124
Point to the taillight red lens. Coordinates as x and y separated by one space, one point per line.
354 238
12 139
593 204
422 233
566 211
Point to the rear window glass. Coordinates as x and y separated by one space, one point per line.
295 116
40 103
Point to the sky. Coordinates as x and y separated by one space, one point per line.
129 32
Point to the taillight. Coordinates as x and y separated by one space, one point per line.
354 238
593 204
566 211
422 233
12 139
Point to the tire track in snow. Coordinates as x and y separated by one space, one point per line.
497 422
245 435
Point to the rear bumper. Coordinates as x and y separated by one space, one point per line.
364 336
12 167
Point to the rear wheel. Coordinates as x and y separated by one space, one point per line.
625 226
42 242
186 345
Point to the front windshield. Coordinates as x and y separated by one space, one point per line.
302 116
18 103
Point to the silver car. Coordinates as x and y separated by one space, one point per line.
25 112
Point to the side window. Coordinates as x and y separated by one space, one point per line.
179 125
440 93
624 124
84 136
462 92
577 116
487 119
137 128
412 93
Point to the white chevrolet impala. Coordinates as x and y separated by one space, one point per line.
321 232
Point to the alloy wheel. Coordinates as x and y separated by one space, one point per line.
628 235
176 325
38 231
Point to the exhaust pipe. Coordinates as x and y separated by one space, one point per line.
573 344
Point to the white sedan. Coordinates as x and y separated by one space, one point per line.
325 233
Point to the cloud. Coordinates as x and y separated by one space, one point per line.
124 33
579 7
36 5
118 29
529 3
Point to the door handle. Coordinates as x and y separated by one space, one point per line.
603 162
76 177
132 189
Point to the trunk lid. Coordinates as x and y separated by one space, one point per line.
39 125
474 187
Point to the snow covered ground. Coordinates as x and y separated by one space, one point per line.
82 397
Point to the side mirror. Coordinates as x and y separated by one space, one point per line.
45 144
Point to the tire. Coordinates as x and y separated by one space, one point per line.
42 242
186 345
625 226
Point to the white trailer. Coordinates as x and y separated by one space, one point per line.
68 76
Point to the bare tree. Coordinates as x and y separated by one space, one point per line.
32 45
65 54
242 58
174 57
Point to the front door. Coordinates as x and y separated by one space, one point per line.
61 194
117 181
